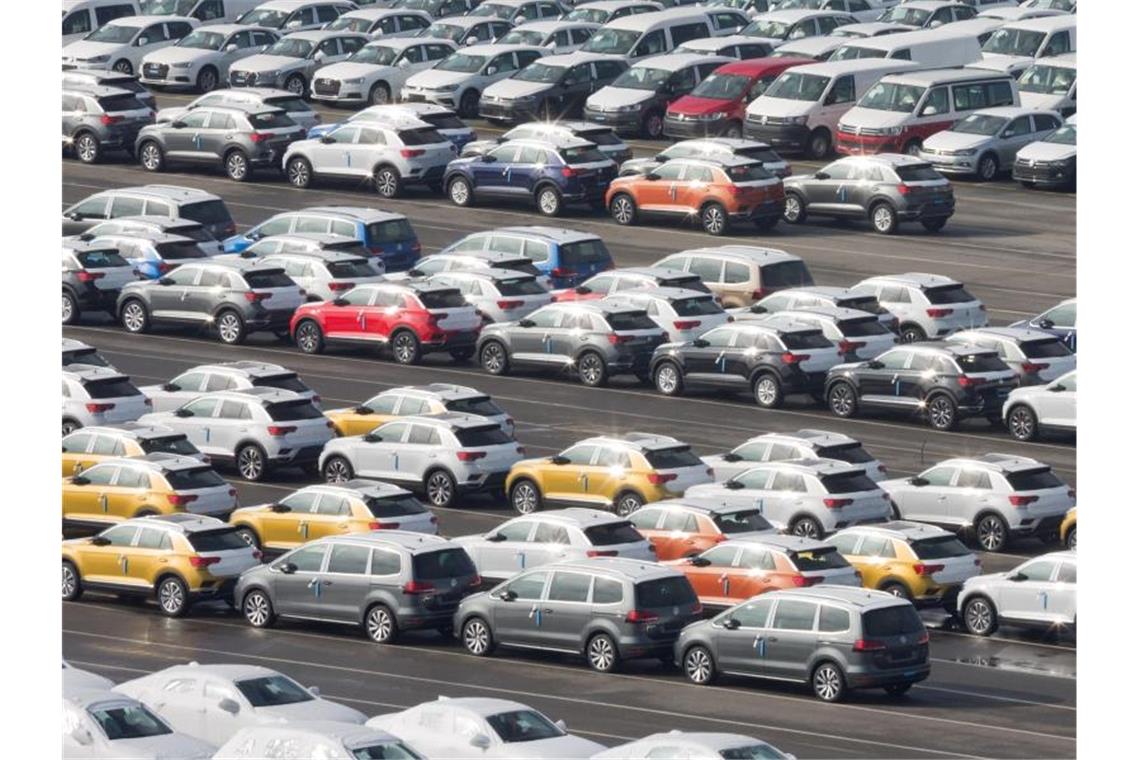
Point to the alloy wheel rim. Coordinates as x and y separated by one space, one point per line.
978 616
475 637
439 489
653 125
68 581
69 427
882 218
209 80
386 183
379 96
667 379
493 358
459 192
841 400
628 506
247 536
623 210
792 208
819 146
307 339
336 471
697 666
86 148
991 533
988 169
827 682
68 308
133 317
249 462
171 596
601 653
150 156
940 413
806 528
236 165
1021 424
525 499
379 624
714 220
123 67
766 391
591 370
298 174
403 349
548 202
229 328
295 86
257 609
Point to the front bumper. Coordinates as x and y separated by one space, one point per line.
439 97
681 128
963 165
793 137
508 110
625 123
1052 174
253 79
849 144
162 75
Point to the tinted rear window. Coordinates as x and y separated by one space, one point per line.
88 356
178 251
482 405
862 328
583 155
743 521
664 592
1033 480
917 173
869 304
687 283
584 252
442 299
287 382
396 506
805 340
786 274
168 444
948 294
671 459
847 482
492 435
445 563
823 558
631 320
521 287
939 548
351 269
852 453
188 480
600 137
115 103
1045 349
766 155
982 363
194 232
895 620
748 173
613 533
695 307
206 212
421 137
220 540
391 231
443 120
268 278
288 104
286 411
271 120
115 388
100 259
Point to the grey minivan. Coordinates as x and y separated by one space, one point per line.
386 582
608 608
836 638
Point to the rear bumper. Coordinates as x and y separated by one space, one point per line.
277 319
223 589
771 208
298 456
92 298
484 482
451 340
1042 527
793 137
929 210
869 678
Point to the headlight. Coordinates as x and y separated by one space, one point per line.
892 130
269 74
447 88
628 109
717 116
99 59
966 152
357 80
526 99
183 65
797 120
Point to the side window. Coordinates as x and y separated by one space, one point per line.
845 543
569 587
152 34
438 52
645 519
651 44
547 318
112 12
753 614
720 338
394 432
974 479
105 445
528 587
76 443
326 13
1044 122
121 536
77 22
1067 573
384 562
827 23
1059 43
806 28
833 619
736 272
794 615
301 503
843 91
1038 571
607 591
789 481
158 208
150 538
606 69
721 556
100 476
530 154
894 294
877 546
894 360
516 531
126 206
202 407
937 102
999 94
756 559
1018 127
329 47
208 10
677 520
424 435
333 505
414 54
969 96
682 33
501 63
196 119
838 170
939 476
580 455
548 533
92 208
308 559
536 250
350 45
708 269
346 558
176 30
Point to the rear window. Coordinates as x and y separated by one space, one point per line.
271 120
852 453
205 212
420 137
695 307
823 558
287 411
766 155
115 103
178 251
199 477
351 269
1033 480
445 563
220 540
391 231
687 283
600 137
491 435
847 482
100 259
748 173
671 459
521 287
89 356
443 120
804 340
982 363
948 294
583 155
896 620
1045 349
613 533
481 405
869 304
786 274
939 548
396 506
169 444
862 328
288 104
917 173
744 521
584 252
442 299
194 232
664 592
631 320
268 278
286 382
114 388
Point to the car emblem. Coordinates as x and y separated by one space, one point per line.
905 640
1032 163
676 610
763 119
453 582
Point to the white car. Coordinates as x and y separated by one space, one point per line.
801 444
213 702
1028 411
224 376
391 154
694 745
78 352
382 23
433 398
268 97
1050 84
459 80
99 396
1041 592
201 60
927 306
1051 162
553 536
103 724
558 37
445 120
77 678
519 11
327 740
291 62
376 73
481 727
683 314
499 295
289 16
1035 356
857 334
602 12
326 273
120 45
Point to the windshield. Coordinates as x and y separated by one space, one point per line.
128 722
113 33
852 52
643 78
905 15
378 55
444 31
494 10
1066 135
395 506
823 558
272 690
392 231
886 96
614 41
744 521
942 547
584 252
797 5
102 259
350 269
944 294
664 592
722 87
672 458
539 71
793 85
220 540
391 751
202 40
982 363
1052 80
444 563
979 124
522 37
291 47
188 480
169 444
696 307
264 17
767 28
523 726
753 752
593 15
1014 42
463 62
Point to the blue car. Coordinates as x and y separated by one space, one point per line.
152 253
445 121
567 257
385 234
1061 320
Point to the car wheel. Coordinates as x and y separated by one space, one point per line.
828 682
549 201
493 358
819 144
71 586
237 166
134 317
913 148
1071 540
406 347
87 148
379 95
592 369
733 131
299 172
979 616
250 537
231 327
173 598
525 497
942 412
623 209
897 689
477 637
653 125
911 333
309 337
337 470
459 190
714 219
70 426
469 104
380 624
992 532
987 167
296 85
1022 423
440 488
668 379
934 225
808 527
70 309
258 610
388 182
884 218
767 391
896 589
602 654
628 503
699 666
123 66
795 212
207 79
151 157
251 464
842 400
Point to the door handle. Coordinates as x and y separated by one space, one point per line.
547 610
773 639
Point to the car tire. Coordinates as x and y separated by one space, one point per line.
699 666
493 358
941 412
526 497
237 166
406 348
894 588
257 609
299 172
714 219
828 682
819 144
477 638
911 333
337 470
87 148
309 337
460 192
1022 423
207 80
251 462
623 209
249 535
979 616
549 201
884 218
295 83
380 624
733 131
134 316
795 209
668 379
71 586
230 327
991 531
69 426
379 94
627 503
913 148
388 182
173 596
767 391
592 369
440 488
843 399
1071 540
602 653
69 313
934 225
806 526
469 104
151 156
987 167
653 125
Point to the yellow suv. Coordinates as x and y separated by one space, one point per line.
1068 530
91 445
118 489
177 559
434 398
915 561
314 512
621 473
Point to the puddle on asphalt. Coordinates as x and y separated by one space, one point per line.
1013 650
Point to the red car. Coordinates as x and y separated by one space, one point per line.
411 318
715 108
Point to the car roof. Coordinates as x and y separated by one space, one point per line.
632 569
153 235
915 279
777 541
319 238
1068 555
87 372
808 436
662 273
351 735
482 706
1016 334
578 516
781 323
707 739
1007 112
678 61
449 420
360 488
490 274
997 462
905 530
749 253
79 245
86 699
71 344
98 91
553 25
320 35
158 461
183 523
557 234
357 213
261 394
407 540
816 467
242 266
954 350
228 671
709 505
176 193
716 162
441 391
855 596
613 5
569 59
639 21
492 48
792 15
137 431
663 294
595 307
397 43
1044 23
827 311
245 367
836 68
927 77
635 441
557 141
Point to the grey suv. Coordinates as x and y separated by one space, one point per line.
234 298
169 201
92 278
239 138
102 118
609 609
834 637
384 582
593 339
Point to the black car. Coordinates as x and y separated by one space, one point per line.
942 382
550 88
769 358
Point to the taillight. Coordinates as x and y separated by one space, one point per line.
433 520
660 478
278 430
1072 493
733 190
475 581
561 272
1022 501
257 137
569 171
836 503
618 339
433 319
418 587
686 324
803 580
969 382
164 267
758 294
789 358
600 553
107 119
902 189
257 555
375 525
923 638
411 152
938 312
97 408
509 304
521 450
89 276
336 286
196 561
868 645
232 492
255 297
640 616
180 499
1030 367
924 569
848 346
883 468
470 456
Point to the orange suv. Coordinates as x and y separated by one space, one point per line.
717 193
681 528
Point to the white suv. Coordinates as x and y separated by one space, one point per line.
99 396
1028 410
683 314
1036 356
499 295
857 334
800 444
926 305
1041 592
392 155
376 73
225 376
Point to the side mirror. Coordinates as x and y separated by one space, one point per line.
653 176
732 457
488 158
700 343
327 139
229 705
935 24
169 387
508 595
178 124
372 438
315 691
561 724
165 281
470 41
822 175
526 323
495 537
340 301
73 216
319 56
79 480
280 508
919 482
293 24
733 485
582 290
143 41
1057 388
1017 577
288 568
100 541
700 561
731 624
874 364
1045 324
363 409
480 741
559 459
183 413
230 48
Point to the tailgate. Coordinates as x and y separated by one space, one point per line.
115 278
818 359
307 433
230 562
686 477
955 570
461 318
211 501
281 299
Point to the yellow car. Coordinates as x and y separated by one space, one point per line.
915 561
90 445
1069 530
177 559
118 489
435 398
314 512
621 473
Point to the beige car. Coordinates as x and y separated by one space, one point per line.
740 275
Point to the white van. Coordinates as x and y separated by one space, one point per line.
928 47
800 111
1013 47
1050 84
644 34
902 110
206 11
818 48
81 17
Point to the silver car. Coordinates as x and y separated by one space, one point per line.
170 201
799 444
224 376
101 119
1029 411
1036 356
443 455
554 536
99 396
201 60
256 429
1040 593
498 295
805 497
291 62
987 141
448 260
106 724
996 496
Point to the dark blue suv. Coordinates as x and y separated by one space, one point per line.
547 174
